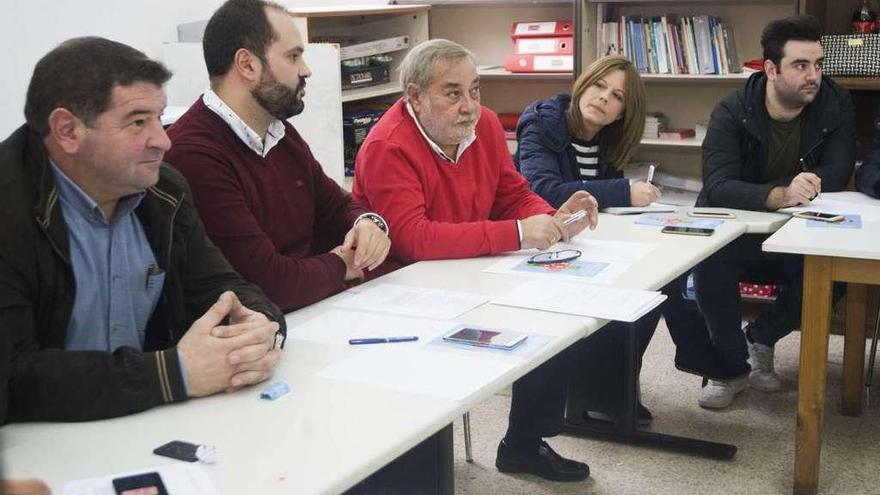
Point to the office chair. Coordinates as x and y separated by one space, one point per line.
869 373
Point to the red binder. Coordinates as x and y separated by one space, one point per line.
539 63
542 29
558 45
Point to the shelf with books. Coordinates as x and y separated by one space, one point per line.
735 78
681 143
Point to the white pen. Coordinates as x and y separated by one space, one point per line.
650 174
575 217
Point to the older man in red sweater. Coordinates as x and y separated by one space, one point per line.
436 165
281 222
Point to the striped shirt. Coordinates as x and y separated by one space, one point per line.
586 153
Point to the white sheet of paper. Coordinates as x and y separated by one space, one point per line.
836 203
336 326
608 303
509 265
178 478
411 301
609 251
636 210
441 374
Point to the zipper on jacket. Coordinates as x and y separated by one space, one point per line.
803 159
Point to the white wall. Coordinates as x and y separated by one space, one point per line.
30 28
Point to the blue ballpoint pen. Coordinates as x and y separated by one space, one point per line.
383 340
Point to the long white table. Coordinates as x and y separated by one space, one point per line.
830 255
327 435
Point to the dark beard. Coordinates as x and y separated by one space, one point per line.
280 101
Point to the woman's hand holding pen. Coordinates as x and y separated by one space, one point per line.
642 193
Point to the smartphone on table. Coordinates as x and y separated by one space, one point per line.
818 215
140 484
484 337
710 214
679 229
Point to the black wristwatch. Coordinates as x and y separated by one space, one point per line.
376 219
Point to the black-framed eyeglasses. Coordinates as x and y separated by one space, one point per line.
560 256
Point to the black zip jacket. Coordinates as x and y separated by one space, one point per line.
737 142
37 291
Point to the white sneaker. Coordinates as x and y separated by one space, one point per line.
762 376
719 394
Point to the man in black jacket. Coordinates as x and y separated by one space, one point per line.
868 175
112 298
778 142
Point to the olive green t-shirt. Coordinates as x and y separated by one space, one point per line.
783 154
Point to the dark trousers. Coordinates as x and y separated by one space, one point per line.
600 367
717 285
538 401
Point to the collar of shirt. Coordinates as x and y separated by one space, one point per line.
274 134
463 145
73 195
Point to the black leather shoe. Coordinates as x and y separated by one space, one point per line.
643 416
709 363
544 462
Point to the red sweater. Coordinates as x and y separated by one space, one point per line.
438 209
274 218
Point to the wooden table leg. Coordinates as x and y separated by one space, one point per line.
854 350
815 318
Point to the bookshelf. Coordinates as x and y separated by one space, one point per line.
689 99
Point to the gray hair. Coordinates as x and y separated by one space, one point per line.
418 65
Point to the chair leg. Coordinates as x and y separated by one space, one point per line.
869 373
466 420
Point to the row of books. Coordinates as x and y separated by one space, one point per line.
673 44
546 46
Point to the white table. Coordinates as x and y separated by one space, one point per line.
327 435
830 255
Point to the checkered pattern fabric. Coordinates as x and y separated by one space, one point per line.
851 55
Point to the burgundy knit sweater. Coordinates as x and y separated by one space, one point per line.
275 218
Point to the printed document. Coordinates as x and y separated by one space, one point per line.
410 301
336 326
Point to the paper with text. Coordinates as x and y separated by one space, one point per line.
609 303
411 301
336 326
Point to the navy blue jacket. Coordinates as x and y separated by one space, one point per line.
868 175
545 157
736 145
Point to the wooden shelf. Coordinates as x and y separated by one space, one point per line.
679 2
346 11
502 73
859 83
673 143
389 88
478 2
737 78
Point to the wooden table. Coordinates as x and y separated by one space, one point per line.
830 255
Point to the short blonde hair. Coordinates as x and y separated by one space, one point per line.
618 140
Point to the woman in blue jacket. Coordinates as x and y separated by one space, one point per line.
580 141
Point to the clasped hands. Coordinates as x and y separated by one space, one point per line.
543 231
228 357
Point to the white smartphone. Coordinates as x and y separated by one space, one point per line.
818 215
710 214
483 337
678 229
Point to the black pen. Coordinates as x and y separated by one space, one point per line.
383 340
151 270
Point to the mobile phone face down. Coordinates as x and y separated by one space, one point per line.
677 229
486 338
818 215
710 214
145 483
182 451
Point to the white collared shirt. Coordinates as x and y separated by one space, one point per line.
248 136
463 145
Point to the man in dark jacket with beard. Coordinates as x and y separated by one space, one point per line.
779 142
112 298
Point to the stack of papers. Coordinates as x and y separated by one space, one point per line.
609 303
337 326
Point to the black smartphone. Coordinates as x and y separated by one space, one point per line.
144 483
677 229
183 451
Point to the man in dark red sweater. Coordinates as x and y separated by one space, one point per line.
437 166
281 222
